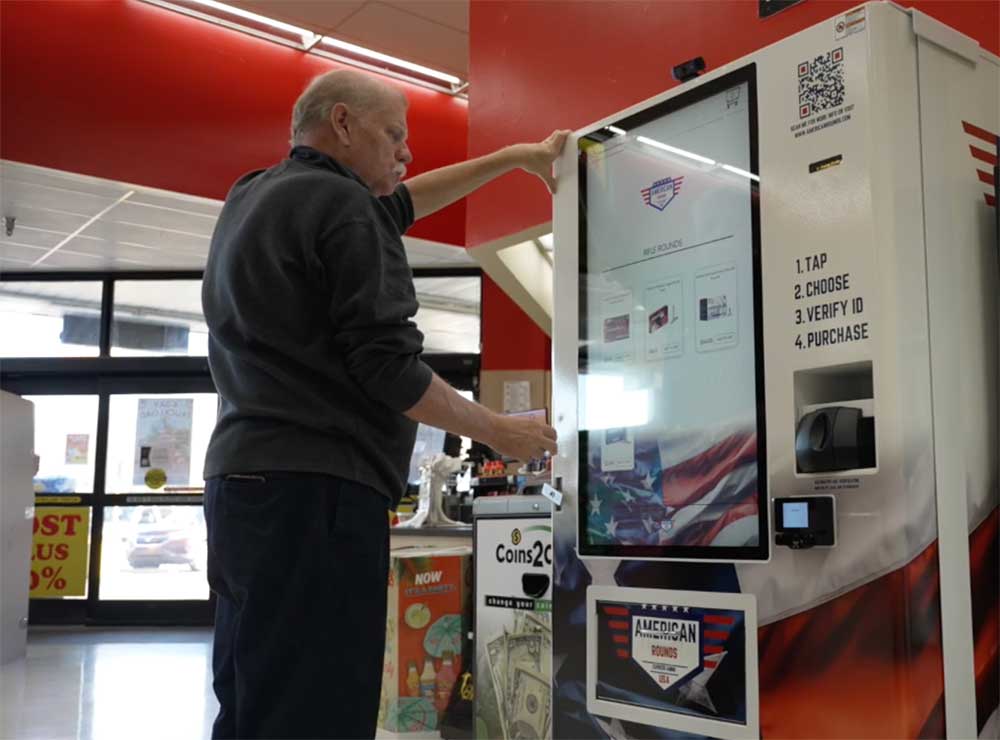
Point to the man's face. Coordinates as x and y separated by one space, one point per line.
382 155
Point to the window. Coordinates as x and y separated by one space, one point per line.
65 442
158 317
153 553
49 319
157 442
449 313
124 409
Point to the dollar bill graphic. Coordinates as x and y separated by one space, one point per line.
520 664
537 623
523 651
496 654
530 706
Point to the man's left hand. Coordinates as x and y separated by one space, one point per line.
538 158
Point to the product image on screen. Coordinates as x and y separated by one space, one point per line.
671 393
796 515
672 657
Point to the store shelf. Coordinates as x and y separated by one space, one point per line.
432 532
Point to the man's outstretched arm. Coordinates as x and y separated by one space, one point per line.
518 437
432 191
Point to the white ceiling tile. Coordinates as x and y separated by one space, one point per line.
377 26
312 15
159 230
117 250
13 263
33 237
452 13
18 194
50 219
149 236
178 202
19 172
158 217
24 252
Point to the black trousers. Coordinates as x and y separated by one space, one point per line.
299 564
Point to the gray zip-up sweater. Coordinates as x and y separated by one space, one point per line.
309 298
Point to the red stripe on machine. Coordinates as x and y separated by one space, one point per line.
986 177
716 635
983 155
622 654
979 133
617 624
719 619
713 649
620 639
615 611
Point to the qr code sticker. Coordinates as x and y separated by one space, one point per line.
821 83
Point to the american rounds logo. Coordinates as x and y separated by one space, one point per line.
661 193
515 537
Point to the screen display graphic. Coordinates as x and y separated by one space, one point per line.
671 385
795 515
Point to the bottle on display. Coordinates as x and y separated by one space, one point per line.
427 683
445 681
412 680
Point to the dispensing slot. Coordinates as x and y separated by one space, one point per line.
834 418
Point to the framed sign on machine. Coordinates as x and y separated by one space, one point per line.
672 460
683 660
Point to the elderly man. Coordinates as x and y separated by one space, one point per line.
309 299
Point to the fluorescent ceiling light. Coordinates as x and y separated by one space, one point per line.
615 130
394 61
675 150
741 173
307 36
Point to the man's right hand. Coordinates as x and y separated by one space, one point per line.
522 438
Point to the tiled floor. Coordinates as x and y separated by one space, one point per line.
124 684
106 685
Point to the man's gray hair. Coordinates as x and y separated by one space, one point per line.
359 91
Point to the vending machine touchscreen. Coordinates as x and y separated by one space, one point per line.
671 388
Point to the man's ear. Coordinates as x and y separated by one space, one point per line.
341 124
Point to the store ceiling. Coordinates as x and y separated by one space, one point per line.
65 221
434 33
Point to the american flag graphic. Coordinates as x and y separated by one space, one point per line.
706 492
983 148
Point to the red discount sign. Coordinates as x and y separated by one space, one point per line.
60 552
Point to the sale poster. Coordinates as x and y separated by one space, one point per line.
163 442
60 551
77 449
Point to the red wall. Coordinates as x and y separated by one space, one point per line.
128 91
511 340
536 66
